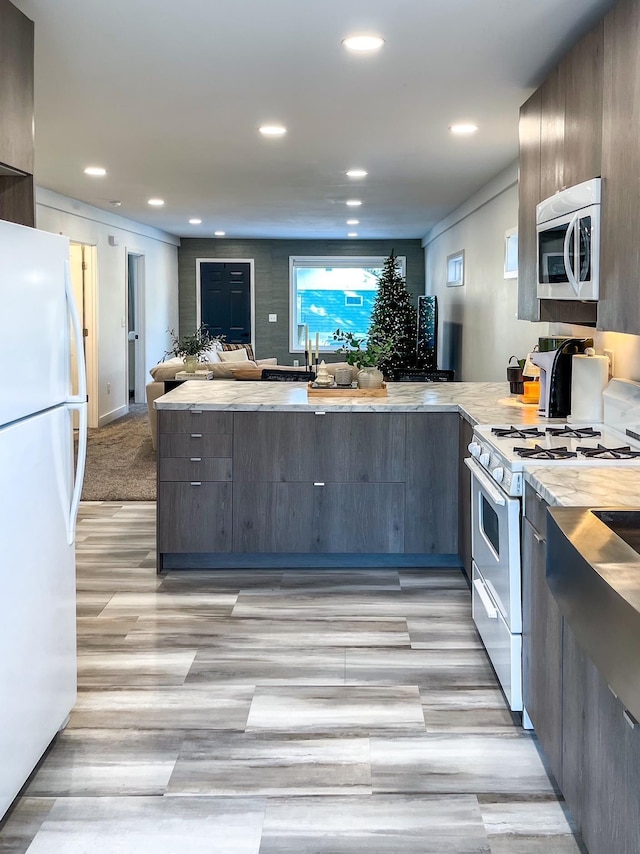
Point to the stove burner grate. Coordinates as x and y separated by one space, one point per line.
517 432
538 453
574 432
600 452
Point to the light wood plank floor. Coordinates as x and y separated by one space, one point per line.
280 711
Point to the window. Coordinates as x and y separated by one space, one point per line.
329 293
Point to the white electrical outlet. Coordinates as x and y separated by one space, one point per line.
296 363
609 353
273 318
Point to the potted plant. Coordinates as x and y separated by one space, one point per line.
191 347
365 354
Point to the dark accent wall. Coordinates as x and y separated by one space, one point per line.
271 270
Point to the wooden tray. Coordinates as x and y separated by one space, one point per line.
335 391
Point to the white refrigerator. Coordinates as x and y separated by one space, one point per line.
39 495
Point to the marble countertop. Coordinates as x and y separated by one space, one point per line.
480 403
586 486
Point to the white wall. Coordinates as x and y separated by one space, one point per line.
85 224
626 348
478 326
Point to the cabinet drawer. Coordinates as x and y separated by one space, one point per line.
535 510
194 421
194 518
196 444
195 468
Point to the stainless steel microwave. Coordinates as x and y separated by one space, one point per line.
568 243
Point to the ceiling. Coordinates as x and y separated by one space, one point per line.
168 96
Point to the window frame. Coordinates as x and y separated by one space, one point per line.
327 261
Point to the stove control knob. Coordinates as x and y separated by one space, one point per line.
498 474
474 449
484 460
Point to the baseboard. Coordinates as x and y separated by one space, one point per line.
307 561
111 416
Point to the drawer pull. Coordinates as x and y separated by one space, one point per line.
196 459
633 723
195 411
492 613
318 483
196 435
196 483
319 413
536 535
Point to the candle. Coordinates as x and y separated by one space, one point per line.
306 338
317 345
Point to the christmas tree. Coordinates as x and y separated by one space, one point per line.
394 319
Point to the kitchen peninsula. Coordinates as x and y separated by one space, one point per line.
258 474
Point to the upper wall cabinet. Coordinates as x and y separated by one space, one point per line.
619 306
17 202
560 145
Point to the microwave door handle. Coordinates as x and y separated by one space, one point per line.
569 236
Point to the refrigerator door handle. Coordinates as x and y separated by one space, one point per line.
79 473
81 397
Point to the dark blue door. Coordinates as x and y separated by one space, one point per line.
225 299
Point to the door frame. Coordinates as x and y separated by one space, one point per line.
252 292
89 321
140 349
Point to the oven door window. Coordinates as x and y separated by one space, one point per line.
551 254
490 525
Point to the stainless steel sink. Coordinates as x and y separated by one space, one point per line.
593 571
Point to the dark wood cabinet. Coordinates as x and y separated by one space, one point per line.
619 306
541 647
601 756
350 483
17 200
528 198
582 77
552 113
464 495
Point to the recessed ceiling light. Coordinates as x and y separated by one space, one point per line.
363 43
95 171
463 129
115 203
352 234
272 130
195 221
156 203
353 222
219 233
354 203
357 173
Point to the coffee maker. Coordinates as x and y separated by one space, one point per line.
555 362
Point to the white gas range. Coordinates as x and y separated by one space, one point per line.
499 456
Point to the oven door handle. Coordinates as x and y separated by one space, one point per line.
489 607
492 491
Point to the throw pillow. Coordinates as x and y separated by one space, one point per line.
233 355
247 347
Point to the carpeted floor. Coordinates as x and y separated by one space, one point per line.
121 463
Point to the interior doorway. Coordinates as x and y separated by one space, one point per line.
135 328
83 262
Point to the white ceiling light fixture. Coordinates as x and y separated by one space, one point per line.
219 233
352 234
272 130
463 129
363 43
115 203
95 171
356 173
353 222
195 221
353 203
156 203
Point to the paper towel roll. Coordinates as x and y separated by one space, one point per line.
589 378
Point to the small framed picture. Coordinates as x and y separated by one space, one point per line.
511 253
455 269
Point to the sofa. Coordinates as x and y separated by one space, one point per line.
222 364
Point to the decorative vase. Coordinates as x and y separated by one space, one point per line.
370 378
190 364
